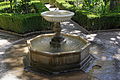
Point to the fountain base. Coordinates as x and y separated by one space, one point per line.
82 66
71 56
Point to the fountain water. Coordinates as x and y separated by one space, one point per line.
53 53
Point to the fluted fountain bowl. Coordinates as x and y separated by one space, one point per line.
57 15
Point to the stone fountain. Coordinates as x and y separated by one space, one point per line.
57 52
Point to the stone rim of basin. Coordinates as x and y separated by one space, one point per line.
57 13
87 43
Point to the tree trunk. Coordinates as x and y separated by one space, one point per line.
11 5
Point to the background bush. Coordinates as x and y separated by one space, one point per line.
22 23
90 20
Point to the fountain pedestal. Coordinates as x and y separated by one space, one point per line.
57 40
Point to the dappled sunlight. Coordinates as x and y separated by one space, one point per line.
113 39
10 60
71 24
91 37
10 77
75 32
12 67
70 76
103 58
117 56
2 53
118 37
64 30
94 50
22 50
25 50
11 64
105 46
4 42
18 50
67 24
118 51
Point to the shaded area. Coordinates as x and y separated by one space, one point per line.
13 68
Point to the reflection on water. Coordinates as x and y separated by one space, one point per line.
43 44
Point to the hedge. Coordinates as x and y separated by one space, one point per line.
89 20
97 22
22 23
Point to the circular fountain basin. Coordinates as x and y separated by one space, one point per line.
57 15
67 57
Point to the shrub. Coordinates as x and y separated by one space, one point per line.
22 23
90 20
52 2
44 1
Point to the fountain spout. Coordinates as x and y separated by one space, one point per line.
57 40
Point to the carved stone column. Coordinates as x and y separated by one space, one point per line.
57 40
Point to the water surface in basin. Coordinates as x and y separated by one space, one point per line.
42 44
58 13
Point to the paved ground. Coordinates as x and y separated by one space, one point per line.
106 47
107 50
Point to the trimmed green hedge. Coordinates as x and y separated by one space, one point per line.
44 1
97 22
91 21
22 23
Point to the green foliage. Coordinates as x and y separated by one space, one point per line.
52 2
24 4
62 4
25 0
44 1
4 3
90 20
4 7
96 22
40 7
94 6
1 0
115 6
97 6
22 23
24 8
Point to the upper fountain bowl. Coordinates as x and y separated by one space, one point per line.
57 15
